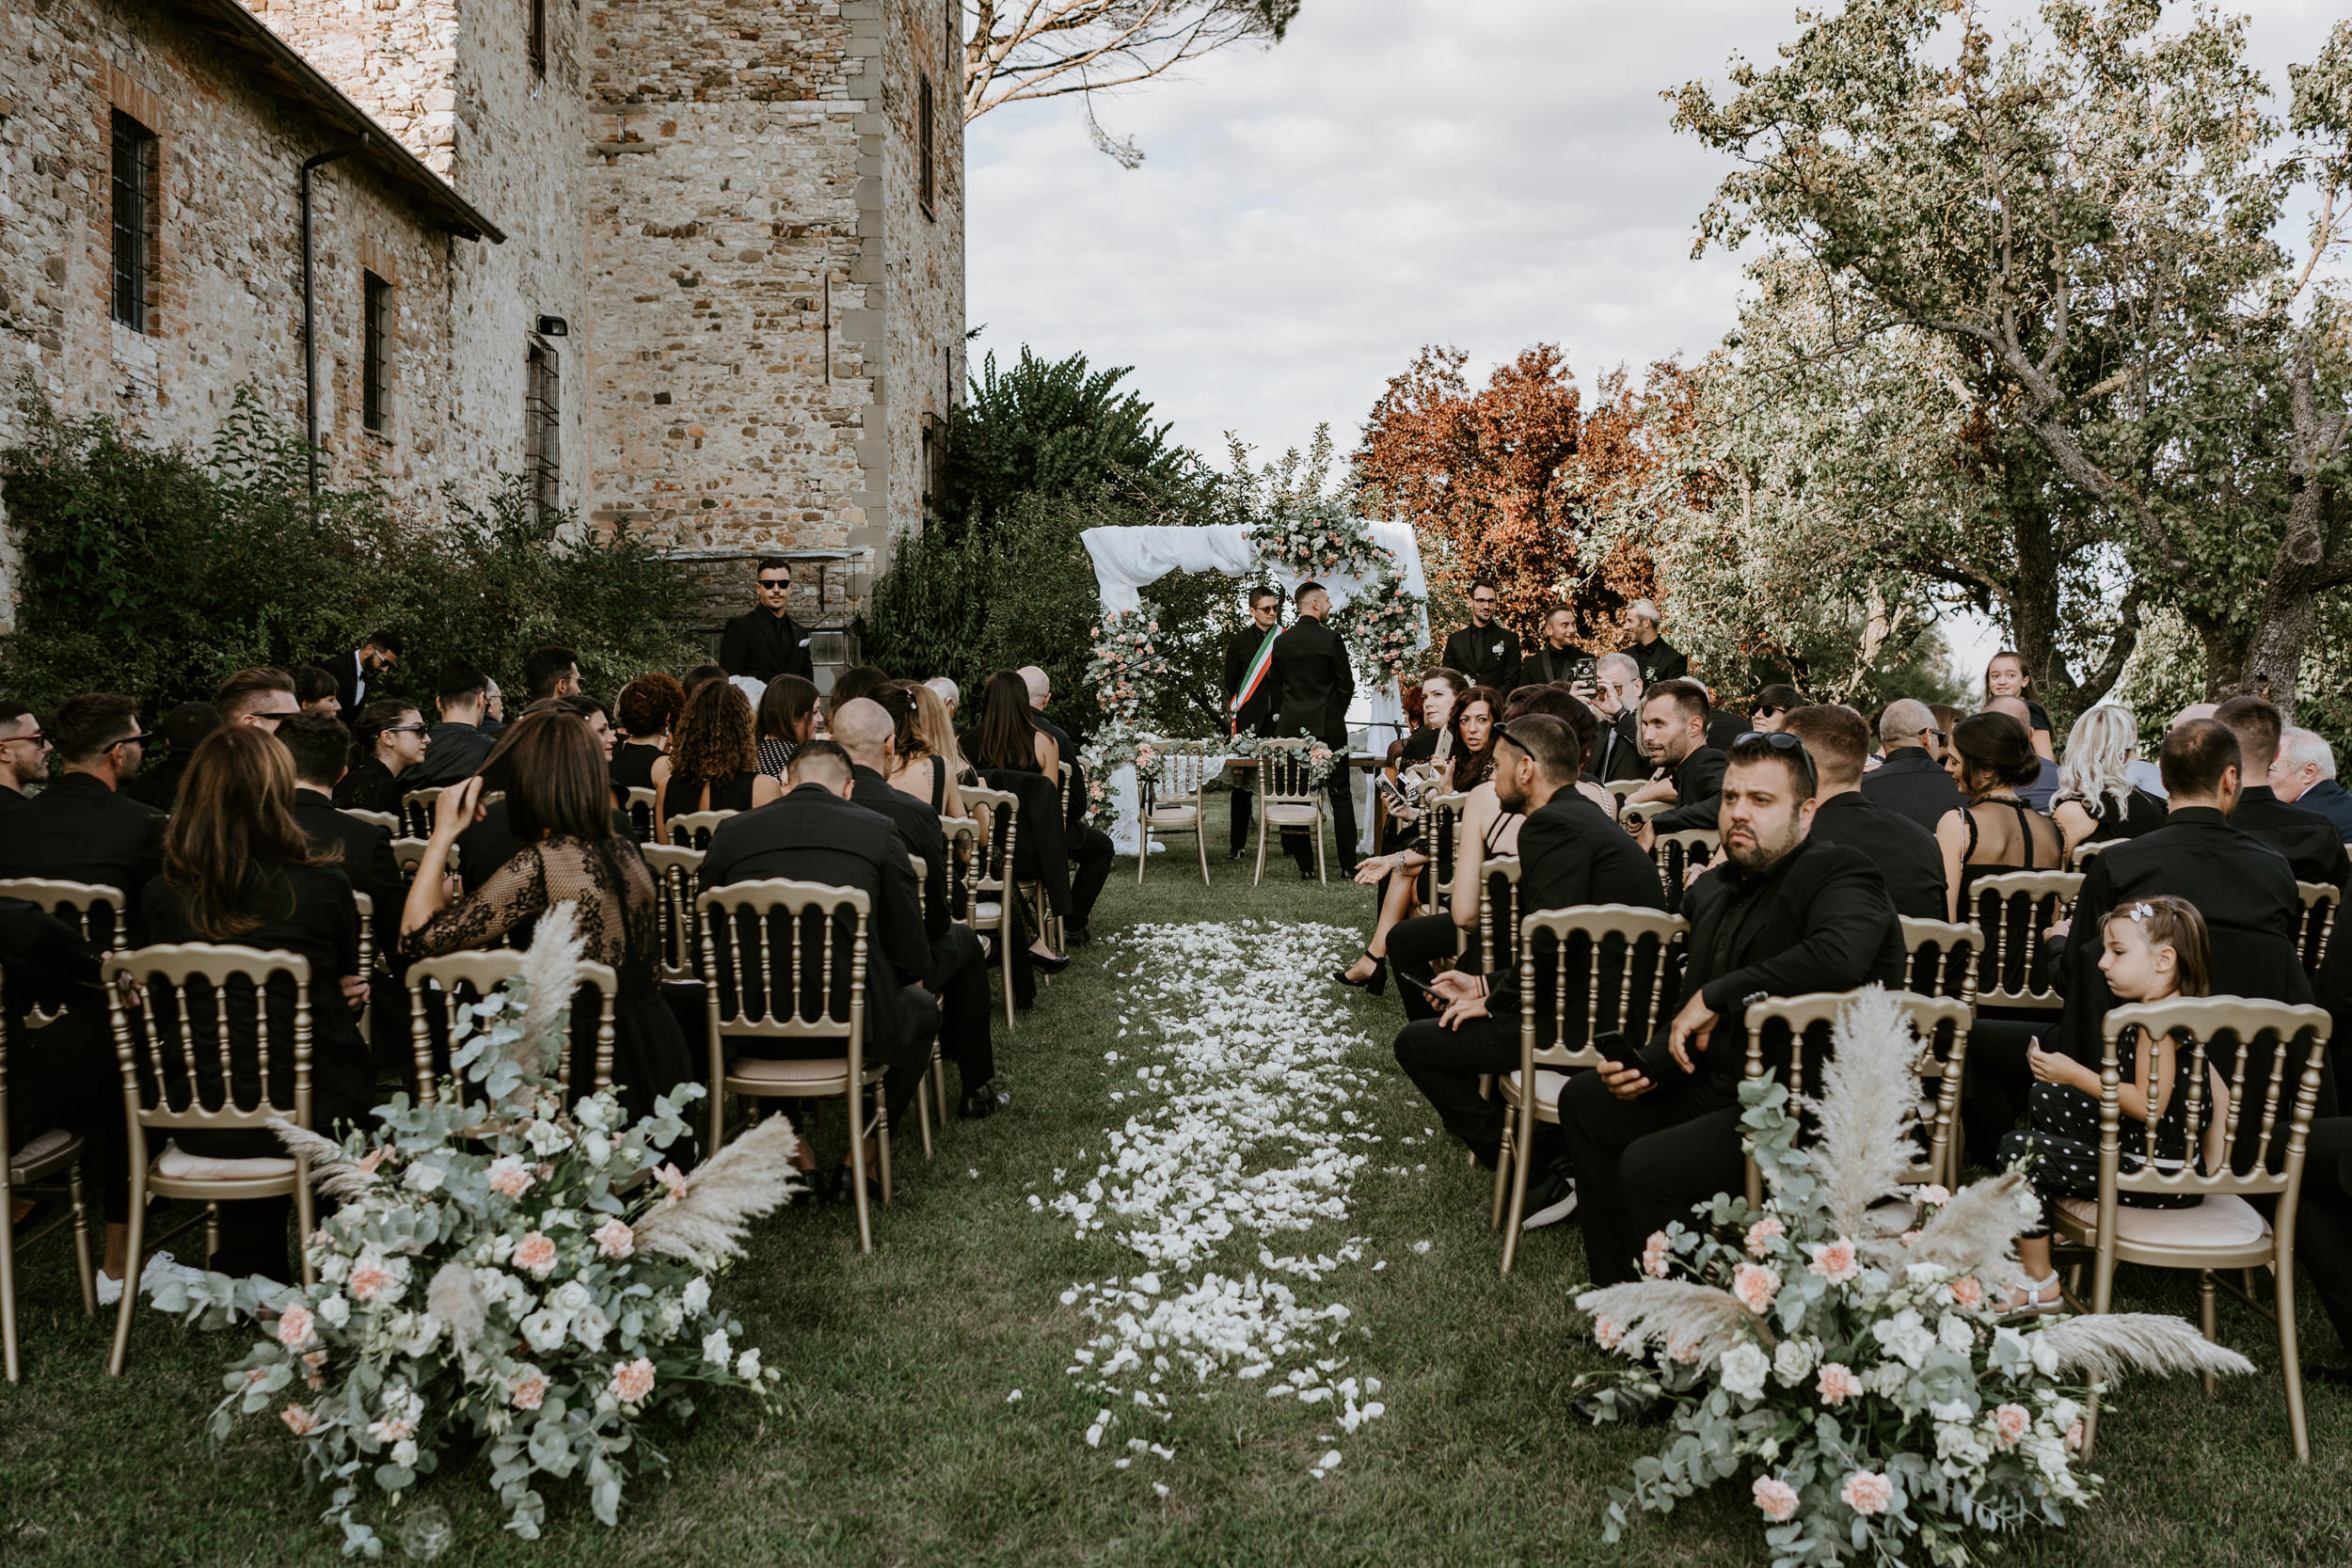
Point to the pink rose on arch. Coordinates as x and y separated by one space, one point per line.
2011 1422
368 1281
535 1255
1834 1261
1866 1492
295 1327
1763 1233
1774 1498
1756 1286
1837 1384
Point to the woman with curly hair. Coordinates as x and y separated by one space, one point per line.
645 709
713 763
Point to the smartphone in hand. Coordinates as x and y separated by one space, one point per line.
1613 1045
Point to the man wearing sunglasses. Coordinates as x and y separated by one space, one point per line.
1911 783
83 828
261 698
765 642
1486 653
24 753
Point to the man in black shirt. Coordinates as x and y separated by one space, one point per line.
765 642
1557 659
1688 772
83 828
1911 783
1654 654
1616 699
1255 713
959 969
24 753
1905 853
455 747
1314 684
358 673
551 672
320 748
1778 915
1488 654
2309 841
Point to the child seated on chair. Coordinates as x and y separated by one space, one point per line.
2154 948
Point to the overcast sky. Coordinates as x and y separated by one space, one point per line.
1485 173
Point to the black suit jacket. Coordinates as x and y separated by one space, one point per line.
1488 656
1906 854
1545 665
918 825
1075 813
1571 853
2307 840
1817 919
1660 661
1912 783
1698 792
344 667
367 861
1617 751
452 752
10 798
79 830
1241 651
1313 683
763 646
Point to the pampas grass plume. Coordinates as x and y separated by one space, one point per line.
1869 1098
2104 1346
456 1300
1972 1233
332 1172
1679 1315
751 1177
549 972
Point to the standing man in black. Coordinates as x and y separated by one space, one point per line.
2309 841
358 673
1906 854
1253 713
1314 684
1910 781
1557 659
1484 651
83 828
1658 658
765 642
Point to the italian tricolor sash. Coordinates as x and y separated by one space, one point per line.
1255 676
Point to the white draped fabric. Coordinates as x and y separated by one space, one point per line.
1128 559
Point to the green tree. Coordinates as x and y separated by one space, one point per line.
1050 429
2085 212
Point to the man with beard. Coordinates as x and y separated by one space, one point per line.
1250 695
1488 655
1688 772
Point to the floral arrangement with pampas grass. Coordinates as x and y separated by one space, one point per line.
532 1275
1849 1356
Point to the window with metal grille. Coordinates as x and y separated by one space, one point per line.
375 364
927 172
539 37
543 425
135 149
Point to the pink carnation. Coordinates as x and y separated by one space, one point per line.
1836 1384
368 1280
632 1380
1755 1285
615 1239
298 1420
295 1327
2011 1422
1774 1498
529 1391
1763 1233
1932 1194
1607 1332
1967 1291
673 1182
1866 1492
1654 1255
1834 1261
392 1429
535 1254
509 1179
2074 1436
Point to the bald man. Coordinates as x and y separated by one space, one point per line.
1091 848
2038 793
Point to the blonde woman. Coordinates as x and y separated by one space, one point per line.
2096 800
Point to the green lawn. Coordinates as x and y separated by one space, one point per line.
895 1442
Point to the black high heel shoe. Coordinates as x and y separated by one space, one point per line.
1376 982
1049 966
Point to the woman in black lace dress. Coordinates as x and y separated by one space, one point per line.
557 806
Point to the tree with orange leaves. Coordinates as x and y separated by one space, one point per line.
1505 483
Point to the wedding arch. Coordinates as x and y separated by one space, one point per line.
1379 598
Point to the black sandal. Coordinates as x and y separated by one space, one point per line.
1376 982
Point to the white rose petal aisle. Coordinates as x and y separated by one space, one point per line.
538 1278
1239 1138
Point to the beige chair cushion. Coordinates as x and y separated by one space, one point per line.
178 1165
800 1073
40 1149
1174 817
988 911
1292 816
1549 1086
2223 1220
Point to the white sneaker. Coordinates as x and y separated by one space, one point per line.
1553 1212
160 1268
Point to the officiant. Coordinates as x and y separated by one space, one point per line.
1484 651
1250 694
1313 685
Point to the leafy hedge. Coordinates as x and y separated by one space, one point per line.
155 571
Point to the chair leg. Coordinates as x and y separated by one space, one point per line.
1201 843
1321 879
82 1264
1143 849
130 1280
1521 1161
939 1087
1503 1170
922 1112
1259 875
1003 953
882 1141
8 1269
2208 1320
856 1103
2289 1357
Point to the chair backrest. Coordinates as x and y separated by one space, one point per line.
786 935
92 909
1620 789
408 853
1497 913
2084 853
1186 769
181 1047
388 821
1444 821
963 849
996 817
1642 811
416 811
481 972
674 871
1941 1023
1283 768
2241 1151
366 904
639 813
2012 909
1940 958
1675 852
1061 789
693 830
2319 918
1630 965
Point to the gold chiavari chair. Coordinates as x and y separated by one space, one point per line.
674 873
2080 857
1623 790
180 1074
938 1069
693 830
2242 1159
1620 990
388 821
639 813
1172 802
1498 914
781 982
988 894
417 807
50 1161
2012 909
1673 853
1940 958
454 976
1285 800
2319 920
93 909
408 854
1444 818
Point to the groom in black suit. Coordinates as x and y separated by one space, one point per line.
1313 686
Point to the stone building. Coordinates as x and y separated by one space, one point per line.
695 268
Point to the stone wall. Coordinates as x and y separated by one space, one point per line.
923 250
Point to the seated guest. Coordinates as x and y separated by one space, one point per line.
316 691
83 828
949 696
1687 770
24 753
927 764
1910 781
182 730
1996 832
816 834
788 719
238 869
958 975
1616 700
1469 766
1948 719
646 708
1438 689
713 763
572 850
1771 706
2039 791
493 709
592 713
321 746
702 675
258 698
2097 802
2307 840
858 680
1091 848
1470 760
455 747
1008 739
551 672
388 739
1779 915
1905 853
1570 853
2305 776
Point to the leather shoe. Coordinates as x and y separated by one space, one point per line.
1076 935
980 1103
1233 854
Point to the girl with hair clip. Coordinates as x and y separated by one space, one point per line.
2154 948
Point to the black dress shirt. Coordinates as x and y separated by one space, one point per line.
1912 784
1548 664
2307 839
918 825
1487 656
79 830
1617 750
366 860
1660 661
9 800
452 752
370 786
1698 792
1314 683
764 645
1907 855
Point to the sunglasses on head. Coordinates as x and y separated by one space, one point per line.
1779 740
1941 738
140 738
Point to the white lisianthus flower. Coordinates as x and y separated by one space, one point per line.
572 1296
696 1295
404 1451
1794 1360
545 1329
747 1366
1904 1336
715 1347
591 1326
1743 1369
1887 1379
596 1146
2045 1358
546 1138
673 1317
335 1310
1957 1334
593 1112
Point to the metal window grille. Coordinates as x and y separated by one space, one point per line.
539 37
927 172
135 149
543 426
375 392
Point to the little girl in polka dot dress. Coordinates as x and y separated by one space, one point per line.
2155 949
